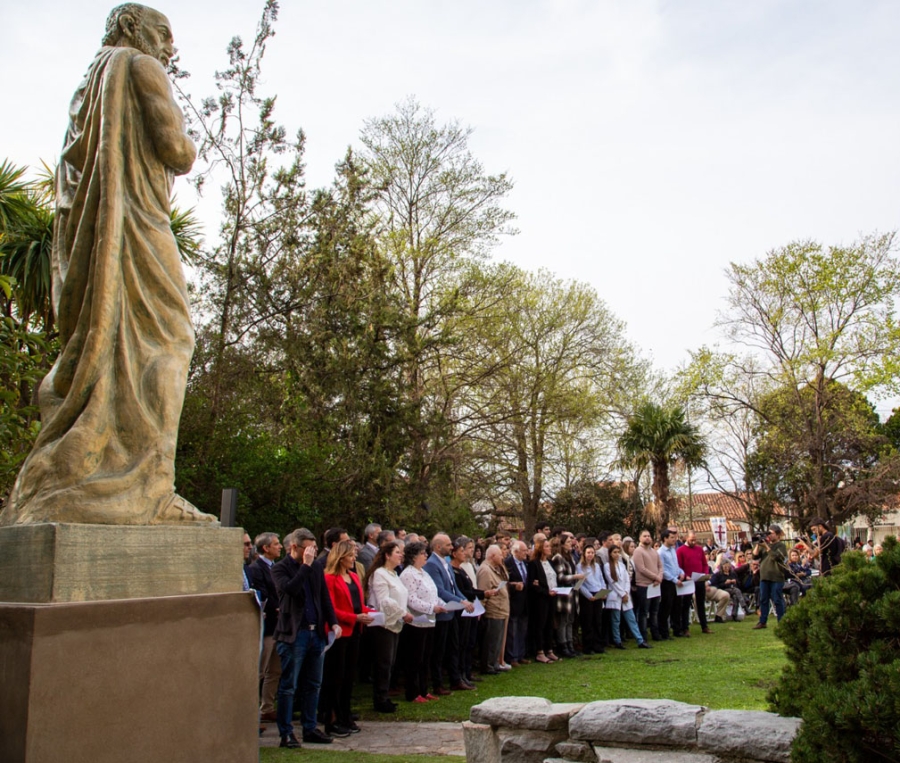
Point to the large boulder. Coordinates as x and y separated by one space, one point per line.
745 733
482 744
638 722
524 713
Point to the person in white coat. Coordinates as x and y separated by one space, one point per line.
619 600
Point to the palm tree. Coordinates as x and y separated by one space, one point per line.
660 438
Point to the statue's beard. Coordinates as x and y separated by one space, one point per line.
144 45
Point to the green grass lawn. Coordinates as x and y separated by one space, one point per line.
731 669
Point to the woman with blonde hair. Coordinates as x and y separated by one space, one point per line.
341 659
541 597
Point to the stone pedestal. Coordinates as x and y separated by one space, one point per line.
122 644
63 562
164 679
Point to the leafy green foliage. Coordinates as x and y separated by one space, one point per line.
661 438
843 671
843 467
589 507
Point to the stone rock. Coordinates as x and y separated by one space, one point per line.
744 733
482 744
623 755
581 752
528 746
637 722
524 713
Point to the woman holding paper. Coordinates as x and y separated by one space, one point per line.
386 594
340 661
566 577
468 626
591 607
418 635
619 600
540 604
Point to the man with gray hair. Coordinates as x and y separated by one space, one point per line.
370 547
260 575
492 578
305 609
772 555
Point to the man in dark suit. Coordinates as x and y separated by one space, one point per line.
446 633
517 629
260 576
304 611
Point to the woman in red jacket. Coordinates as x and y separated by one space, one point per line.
340 660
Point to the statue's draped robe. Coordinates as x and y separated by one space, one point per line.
111 404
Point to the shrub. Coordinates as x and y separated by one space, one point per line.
843 673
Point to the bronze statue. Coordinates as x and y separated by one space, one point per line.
110 406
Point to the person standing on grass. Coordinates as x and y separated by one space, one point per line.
540 605
647 571
772 555
385 593
619 600
673 578
692 559
491 575
418 635
517 627
591 609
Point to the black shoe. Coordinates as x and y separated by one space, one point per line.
385 707
289 741
336 730
644 645
354 729
316 737
620 645
719 619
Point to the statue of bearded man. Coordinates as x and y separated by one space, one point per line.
110 406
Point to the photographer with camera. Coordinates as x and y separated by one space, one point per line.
772 554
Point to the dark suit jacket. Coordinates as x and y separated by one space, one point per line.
518 600
290 578
260 577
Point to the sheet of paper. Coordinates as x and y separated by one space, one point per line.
600 595
454 606
698 577
501 585
423 619
562 591
331 640
578 584
654 591
377 618
479 609
687 588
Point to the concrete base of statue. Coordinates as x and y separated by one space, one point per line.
67 562
126 644
170 679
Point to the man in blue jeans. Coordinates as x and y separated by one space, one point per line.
304 610
772 555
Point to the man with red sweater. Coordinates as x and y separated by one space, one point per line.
692 558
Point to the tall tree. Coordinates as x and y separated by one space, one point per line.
811 316
563 369
437 209
661 438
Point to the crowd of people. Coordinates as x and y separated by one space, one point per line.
437 615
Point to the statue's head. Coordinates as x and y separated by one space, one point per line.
137 26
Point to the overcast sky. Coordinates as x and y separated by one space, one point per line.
650 142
